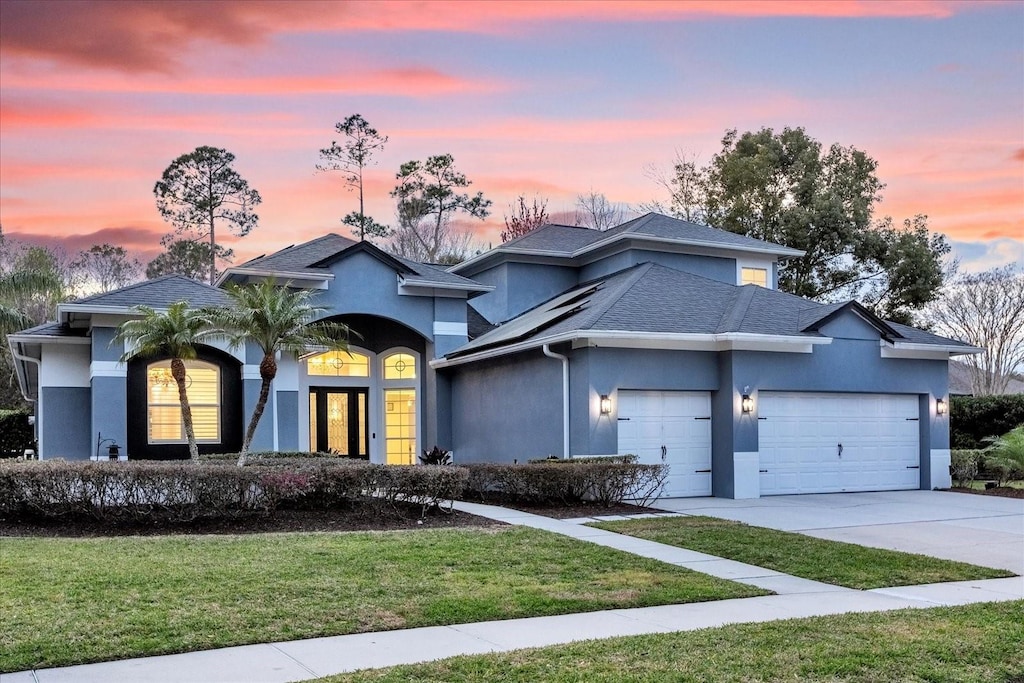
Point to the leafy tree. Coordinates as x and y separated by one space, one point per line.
173 333
593 210
428 197
524 219
351 158
985 310
785 188
108 266
685 186
278 319
201 189
185 257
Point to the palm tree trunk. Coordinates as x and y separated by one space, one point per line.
178 373
268 371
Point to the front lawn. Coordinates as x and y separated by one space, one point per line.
841 564
67 601
973 643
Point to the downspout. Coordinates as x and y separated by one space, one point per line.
23 385
565 396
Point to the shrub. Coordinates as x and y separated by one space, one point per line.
972 418
436 456
1005 456
142 491
16 434
566 483
555 460
963 466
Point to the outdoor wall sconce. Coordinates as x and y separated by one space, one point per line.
940 407
747 402
606 404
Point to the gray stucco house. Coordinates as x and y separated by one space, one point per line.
658 337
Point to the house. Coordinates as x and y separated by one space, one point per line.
658 337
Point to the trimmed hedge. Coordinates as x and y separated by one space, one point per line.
972 418
16 434
184 491
566 482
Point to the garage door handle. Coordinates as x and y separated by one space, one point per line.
623 419
763 471
913 467
840 446
702 471
702 418
664 453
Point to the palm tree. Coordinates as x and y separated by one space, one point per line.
277 319
18 285
176 334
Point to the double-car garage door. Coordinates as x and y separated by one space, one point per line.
808 442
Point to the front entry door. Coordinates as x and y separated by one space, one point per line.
339 422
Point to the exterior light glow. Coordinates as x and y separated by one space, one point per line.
747 402
606 404
940 407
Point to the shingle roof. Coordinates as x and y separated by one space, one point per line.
563 239
658 225
310 257
53 329
159 293
655 299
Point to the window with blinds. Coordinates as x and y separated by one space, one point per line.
202 386
754 276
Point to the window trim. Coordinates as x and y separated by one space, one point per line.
218 406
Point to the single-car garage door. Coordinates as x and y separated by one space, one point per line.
824 443
672 427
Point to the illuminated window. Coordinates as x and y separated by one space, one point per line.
400 366
202 386
339 364
400 426
754 276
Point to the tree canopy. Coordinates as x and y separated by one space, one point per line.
351 157
428 197
523 219
185 257
107 267
200 190
789 189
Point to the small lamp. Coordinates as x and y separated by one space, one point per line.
606 404
747 402
940 407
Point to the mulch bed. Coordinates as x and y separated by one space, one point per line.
583 509
408 517
1000 491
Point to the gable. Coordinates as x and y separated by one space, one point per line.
849 325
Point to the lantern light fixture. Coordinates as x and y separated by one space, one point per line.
606 404
747 402
940 407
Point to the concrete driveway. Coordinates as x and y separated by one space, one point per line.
983 530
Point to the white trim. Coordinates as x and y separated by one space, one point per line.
646 340
900 349
107 368
746 475
250 371
43 339
404 282
939 459
450 329
756 264
276 275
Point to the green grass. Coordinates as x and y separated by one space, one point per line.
67 601
974 643
841 564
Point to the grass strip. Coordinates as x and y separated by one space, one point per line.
834 562
68 601
966 644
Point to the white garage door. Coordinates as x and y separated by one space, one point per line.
672 427
824 443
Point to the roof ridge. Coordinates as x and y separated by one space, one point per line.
734 315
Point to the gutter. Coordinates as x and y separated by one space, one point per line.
565 396
22 378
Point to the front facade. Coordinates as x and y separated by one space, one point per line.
658 337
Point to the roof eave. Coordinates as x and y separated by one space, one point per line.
286 275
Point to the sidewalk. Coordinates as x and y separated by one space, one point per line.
304 659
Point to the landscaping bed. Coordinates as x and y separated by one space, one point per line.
972 643
1000 491
75 600
833 562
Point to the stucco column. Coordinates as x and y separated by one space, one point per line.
251 382
108 388
734 451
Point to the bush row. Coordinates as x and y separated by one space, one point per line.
968 465
140 491
565 483
16 434
972 418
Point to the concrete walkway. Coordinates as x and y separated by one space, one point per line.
305 659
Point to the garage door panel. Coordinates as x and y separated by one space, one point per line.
648 420
800 437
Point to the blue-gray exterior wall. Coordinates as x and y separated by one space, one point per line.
108 394
66 423
449 310
507 409
711 267
288 421
521 286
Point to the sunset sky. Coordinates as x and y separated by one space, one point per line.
536 98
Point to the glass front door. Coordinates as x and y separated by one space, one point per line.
338 422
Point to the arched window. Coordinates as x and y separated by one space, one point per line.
202 386
400 366
339 364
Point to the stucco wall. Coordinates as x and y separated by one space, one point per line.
66 424
520 287
507 409
712 267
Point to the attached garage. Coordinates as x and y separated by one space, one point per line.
826 443
672 427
